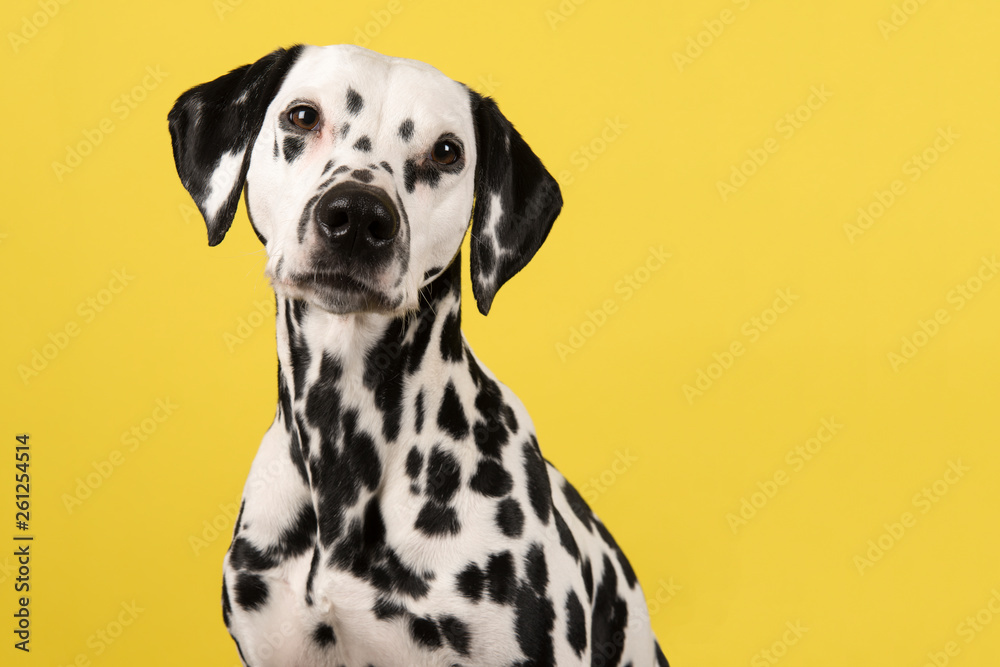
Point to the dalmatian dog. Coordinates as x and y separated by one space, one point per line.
398 512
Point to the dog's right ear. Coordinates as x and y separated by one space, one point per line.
213 128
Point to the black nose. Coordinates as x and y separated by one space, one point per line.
357 219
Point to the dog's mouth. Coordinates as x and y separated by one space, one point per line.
335 292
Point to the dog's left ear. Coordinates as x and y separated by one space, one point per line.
213 127
517 200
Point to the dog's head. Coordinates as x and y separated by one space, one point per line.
361 174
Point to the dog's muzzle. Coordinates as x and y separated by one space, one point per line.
357 222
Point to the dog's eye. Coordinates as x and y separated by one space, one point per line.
303 117
446 151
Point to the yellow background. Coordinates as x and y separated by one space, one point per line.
661 133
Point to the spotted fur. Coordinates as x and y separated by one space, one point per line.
399 511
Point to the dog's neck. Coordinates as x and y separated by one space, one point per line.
341 384
370 349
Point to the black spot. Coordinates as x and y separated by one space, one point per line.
383 377
293 148
328 167
510 518
355 103
566 535
451 416
323 399
344 129
424 631
402 579
298 352
340 170
470 582
227 606
323 635
539 491
362 458
245 556
491 479
364 144
421 340
295 453
406 129
576 623
374 525
363 175
437 519
385 608
510 418
304 222
451 337
443 475
501 577
422 173
385 165
456 633
363 551
536 569
588 578
490 437
312 574
284 400
299 310
609 618
251 591
491 433
298 537
337 475
414 462
534 619
275 150
419 417
627 570
578 505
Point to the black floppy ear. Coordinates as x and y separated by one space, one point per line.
213 127
517 201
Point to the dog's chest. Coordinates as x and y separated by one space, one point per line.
443 553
